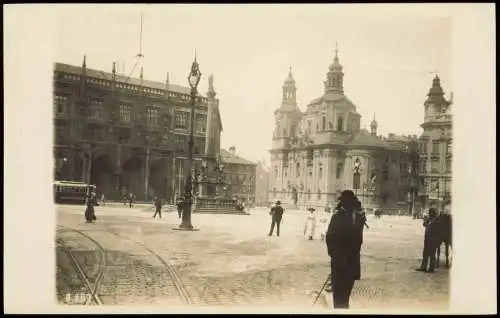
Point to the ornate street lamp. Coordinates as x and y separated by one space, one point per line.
193 79
356 176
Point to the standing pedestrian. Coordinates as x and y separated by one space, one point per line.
89 210
324 223
103 200
180 206
431 239
157 203
344 239
310 224
276 215
130 199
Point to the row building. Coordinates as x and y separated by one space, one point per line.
131 134
318 152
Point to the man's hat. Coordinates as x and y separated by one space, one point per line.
278 202
311 209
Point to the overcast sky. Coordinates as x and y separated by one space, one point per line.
388 57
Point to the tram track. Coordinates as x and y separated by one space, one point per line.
92 289
179 286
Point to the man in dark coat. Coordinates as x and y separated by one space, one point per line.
157 202
344 238
431 239
276 214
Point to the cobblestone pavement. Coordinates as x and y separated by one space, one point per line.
231 261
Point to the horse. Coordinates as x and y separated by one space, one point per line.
444 226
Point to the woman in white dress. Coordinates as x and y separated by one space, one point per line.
325 217
310 224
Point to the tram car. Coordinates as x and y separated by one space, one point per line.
74 192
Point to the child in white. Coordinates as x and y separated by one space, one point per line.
310 224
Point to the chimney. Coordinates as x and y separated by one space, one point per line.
232 150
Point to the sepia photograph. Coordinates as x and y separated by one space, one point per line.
253 156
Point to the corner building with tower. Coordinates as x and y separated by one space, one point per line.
322 151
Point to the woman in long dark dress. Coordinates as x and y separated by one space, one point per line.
344 239
89 210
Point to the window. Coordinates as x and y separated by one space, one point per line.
330 125
320 172
153 116
308 194
276 172
125 112
181 120
386 173
180 143
96 108
297 170
339 170
448 165
423 147
340 123
435 147
61 104
323 123
201 123
423 165
309 127
434 166
319 194
449 148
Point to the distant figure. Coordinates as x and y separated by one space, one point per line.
125 199
130 199
344 239
324 223
310 224
89 210
103 200
276 215
180 205
157 203
431 239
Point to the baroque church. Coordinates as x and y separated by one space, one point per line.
321 151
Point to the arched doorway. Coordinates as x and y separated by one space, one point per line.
158 180
132 180
101 174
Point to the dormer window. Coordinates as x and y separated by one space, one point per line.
340 123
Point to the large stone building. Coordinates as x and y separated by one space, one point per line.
436 147
239 176
315 153
130 134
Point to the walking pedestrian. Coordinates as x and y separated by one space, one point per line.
310 224
344 239
276 215
431 239
157 203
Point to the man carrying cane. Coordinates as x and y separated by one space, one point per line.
344 239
